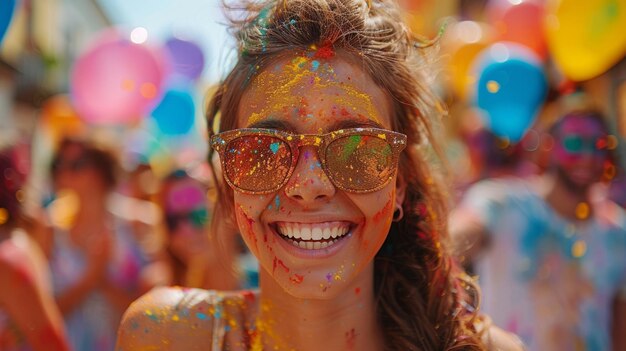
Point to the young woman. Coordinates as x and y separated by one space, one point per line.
324 132
98 268
29 318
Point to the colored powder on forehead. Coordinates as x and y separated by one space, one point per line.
325 52
279 86
315 65
185 197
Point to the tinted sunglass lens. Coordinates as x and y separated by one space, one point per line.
199 217
257 163
359 162
573 143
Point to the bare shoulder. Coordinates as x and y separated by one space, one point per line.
497 339
174 318
168 319
19 261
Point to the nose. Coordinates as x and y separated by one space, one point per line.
309 183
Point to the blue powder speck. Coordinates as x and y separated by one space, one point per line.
274 147
315 65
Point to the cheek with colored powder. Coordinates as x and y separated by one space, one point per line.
246 225
350 339
278 263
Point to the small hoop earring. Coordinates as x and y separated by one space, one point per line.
398 214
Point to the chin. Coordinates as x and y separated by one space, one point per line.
318 285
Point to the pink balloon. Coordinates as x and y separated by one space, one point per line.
116 81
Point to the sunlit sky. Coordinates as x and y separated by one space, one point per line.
198 20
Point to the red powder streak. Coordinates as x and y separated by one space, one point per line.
279 263
351 339
296 278
248 230
357 290
345 113
325 52
383 212
248 295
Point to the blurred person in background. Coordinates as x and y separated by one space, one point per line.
97 266
192 257
551 258
29 317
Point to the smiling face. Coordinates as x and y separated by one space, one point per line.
313 239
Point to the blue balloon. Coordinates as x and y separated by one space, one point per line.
6 13
511 89
175 114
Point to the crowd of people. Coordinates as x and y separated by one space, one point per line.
328 170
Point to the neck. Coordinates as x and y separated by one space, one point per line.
565 199
344 322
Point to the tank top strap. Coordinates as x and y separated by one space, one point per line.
215 300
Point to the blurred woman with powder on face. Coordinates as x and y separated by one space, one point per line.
193 259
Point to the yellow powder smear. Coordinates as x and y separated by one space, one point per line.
297 72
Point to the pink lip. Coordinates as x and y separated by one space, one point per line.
315 253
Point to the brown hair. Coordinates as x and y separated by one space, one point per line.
421 296
102 160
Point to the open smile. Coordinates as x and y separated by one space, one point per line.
313 236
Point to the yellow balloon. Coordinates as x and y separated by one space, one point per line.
586 37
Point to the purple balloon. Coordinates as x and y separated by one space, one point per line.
186 57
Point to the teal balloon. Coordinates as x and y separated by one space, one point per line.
7 7
511 89
175 114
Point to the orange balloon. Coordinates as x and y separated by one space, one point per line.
462 43
60 118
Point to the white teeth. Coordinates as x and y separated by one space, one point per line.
326 234
316 233
312 245
305 233
313 236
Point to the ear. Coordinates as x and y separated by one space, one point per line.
400 189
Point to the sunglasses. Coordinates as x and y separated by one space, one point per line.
261 161
576 144
198 218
